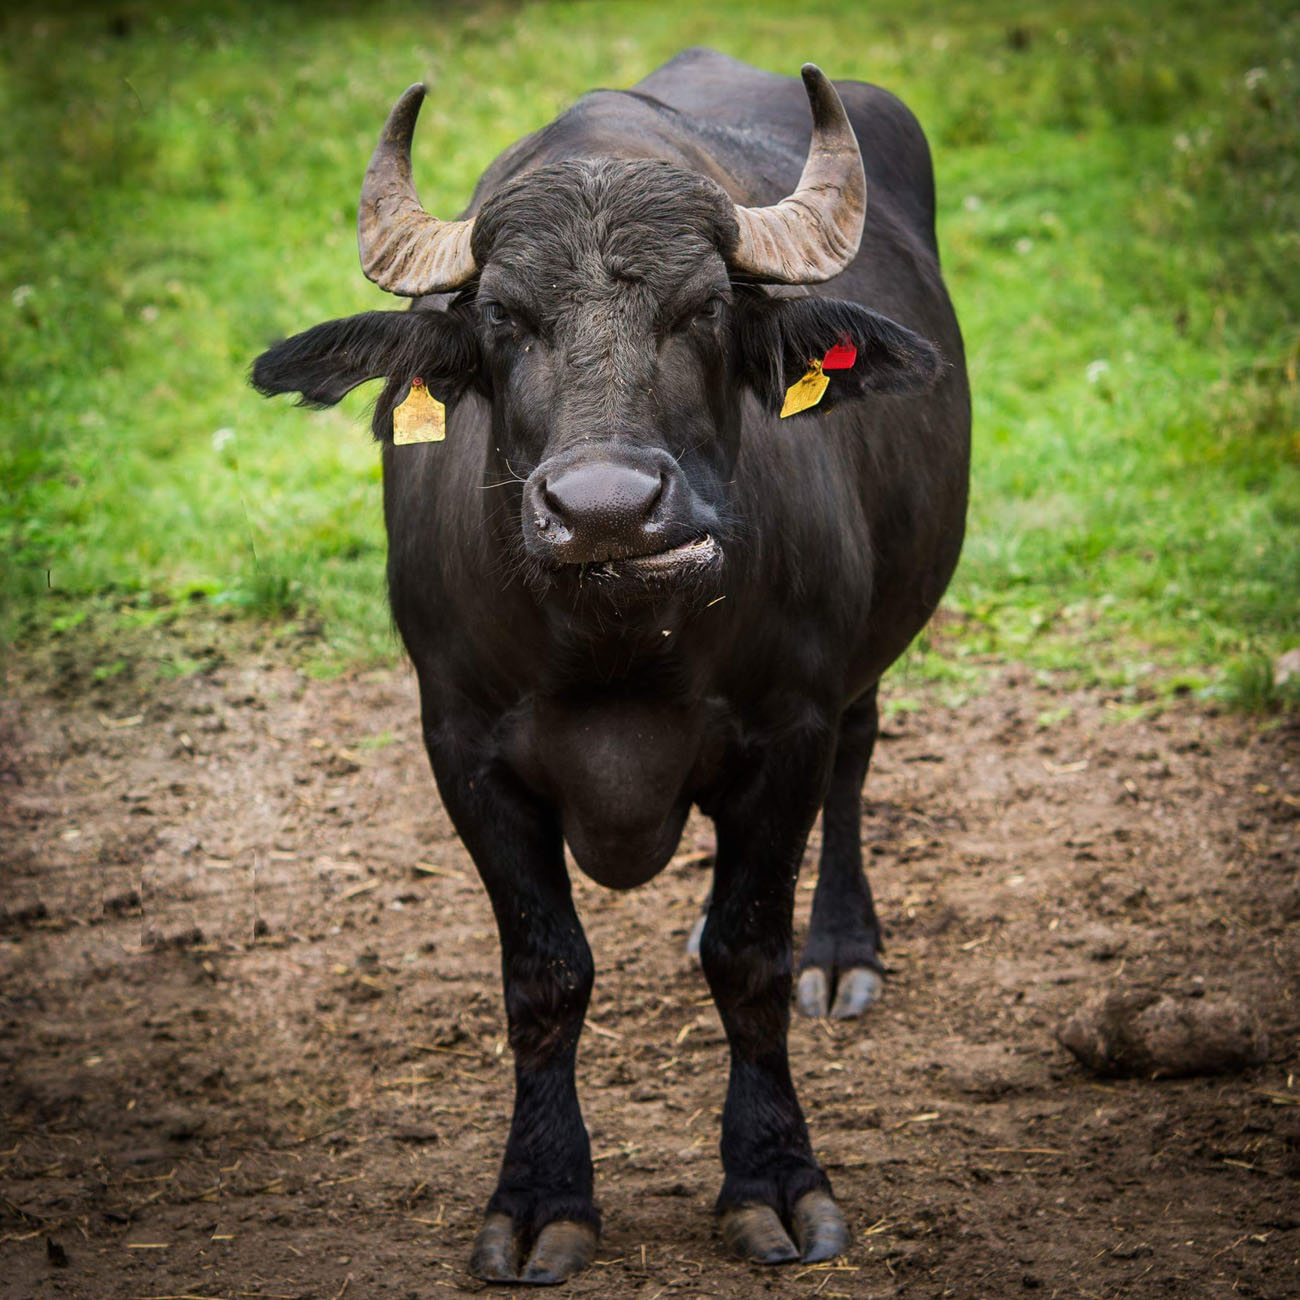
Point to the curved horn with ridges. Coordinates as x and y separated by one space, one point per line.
814 233
404 249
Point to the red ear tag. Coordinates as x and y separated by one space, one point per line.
840 357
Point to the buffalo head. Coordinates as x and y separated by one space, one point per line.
614 314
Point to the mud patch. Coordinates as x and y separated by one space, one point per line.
252 1043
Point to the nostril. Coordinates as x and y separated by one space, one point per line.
656 496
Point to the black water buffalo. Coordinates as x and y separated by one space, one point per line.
629 586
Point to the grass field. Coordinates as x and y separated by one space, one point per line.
1120 223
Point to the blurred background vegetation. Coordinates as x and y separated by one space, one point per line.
1120 226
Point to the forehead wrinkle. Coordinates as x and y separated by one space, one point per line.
600 255
645 221
554 270
607 341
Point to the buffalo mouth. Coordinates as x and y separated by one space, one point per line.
687 564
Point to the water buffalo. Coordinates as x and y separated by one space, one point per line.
629 586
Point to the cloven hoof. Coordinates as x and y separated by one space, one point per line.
856 989
562 1248
819 1228
755 1233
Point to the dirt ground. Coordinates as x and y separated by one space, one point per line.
251 1038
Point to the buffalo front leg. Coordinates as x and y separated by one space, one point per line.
775 1204
541 1224
840 970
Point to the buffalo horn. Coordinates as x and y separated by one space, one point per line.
403 249
814 233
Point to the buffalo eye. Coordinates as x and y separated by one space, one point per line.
495 314
707 313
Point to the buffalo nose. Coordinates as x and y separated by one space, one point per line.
602 498
584 509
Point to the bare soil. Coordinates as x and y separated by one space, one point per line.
252 1043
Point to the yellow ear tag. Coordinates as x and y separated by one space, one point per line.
806 392
421 417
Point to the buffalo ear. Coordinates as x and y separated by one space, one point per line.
324 363
780 338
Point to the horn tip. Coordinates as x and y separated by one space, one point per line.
400 126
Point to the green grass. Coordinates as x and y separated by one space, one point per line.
1120 221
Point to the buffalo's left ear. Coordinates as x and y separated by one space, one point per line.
328 361
781 338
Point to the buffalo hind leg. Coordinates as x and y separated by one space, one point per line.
541 1225
775 1205
840 969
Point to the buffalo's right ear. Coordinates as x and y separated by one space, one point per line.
326 362
781 337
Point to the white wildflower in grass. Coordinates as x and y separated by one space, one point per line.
1024 245
21 294
1255 77
1095 371
972 203
222 439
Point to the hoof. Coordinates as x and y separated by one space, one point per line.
562 1248
813 997
755 1233
495 1257
697 932
857 988
819 1228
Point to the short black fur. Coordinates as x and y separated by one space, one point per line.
617 396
